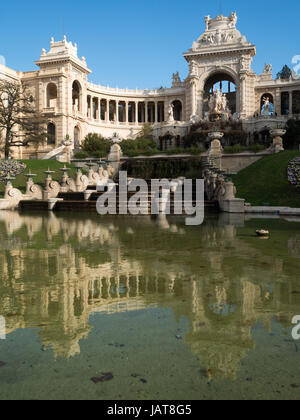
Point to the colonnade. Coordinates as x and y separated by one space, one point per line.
125 111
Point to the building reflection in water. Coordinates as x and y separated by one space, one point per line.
58 270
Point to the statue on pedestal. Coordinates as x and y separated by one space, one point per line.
171 113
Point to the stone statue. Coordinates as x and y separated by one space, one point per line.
266 106
268 68
176 78
218 105
171 112
207 20
233 19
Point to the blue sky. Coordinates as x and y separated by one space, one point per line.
139 44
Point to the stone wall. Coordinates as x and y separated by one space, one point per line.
237 162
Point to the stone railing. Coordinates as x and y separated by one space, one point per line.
52 188
217 188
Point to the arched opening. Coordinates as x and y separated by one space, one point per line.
177 110
51 95
76 137
267 104
51 134
225 84
76 96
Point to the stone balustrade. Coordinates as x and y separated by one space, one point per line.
52 188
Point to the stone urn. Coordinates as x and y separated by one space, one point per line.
277 135
216 135
68 150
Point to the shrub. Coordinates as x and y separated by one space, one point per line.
140 146
99 154
95 143
81 155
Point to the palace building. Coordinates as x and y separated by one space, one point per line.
220 59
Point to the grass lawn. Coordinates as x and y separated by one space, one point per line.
265 182
38 167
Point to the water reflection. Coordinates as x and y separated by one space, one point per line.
58 270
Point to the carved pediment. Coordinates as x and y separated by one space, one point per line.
220 31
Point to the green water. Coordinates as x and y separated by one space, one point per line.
173 312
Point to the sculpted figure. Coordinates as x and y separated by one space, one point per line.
267 105
268 68
171 112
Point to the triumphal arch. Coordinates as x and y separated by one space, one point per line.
219 63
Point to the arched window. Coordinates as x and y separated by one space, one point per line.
177 107
51 134
225 84
76 96
267 104
51 95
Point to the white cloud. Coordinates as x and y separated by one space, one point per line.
2 60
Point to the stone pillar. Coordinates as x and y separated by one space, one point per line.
126 112
146 112
277 102
117 112
156 113
99 109
193 97
243 97
107 111
290 103
136 112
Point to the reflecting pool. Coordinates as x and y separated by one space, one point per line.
170 311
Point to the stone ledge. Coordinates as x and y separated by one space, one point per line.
282 211
235 205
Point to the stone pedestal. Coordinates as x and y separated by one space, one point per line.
216 150
277 145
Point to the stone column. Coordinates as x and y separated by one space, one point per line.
136 115
117 112
107 111
126 112
290 103
99 109
277 102
193 95
243 96
146 112
156 113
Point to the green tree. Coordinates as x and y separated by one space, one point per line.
20 122
96 144
285 73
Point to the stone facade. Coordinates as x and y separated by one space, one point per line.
221 55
